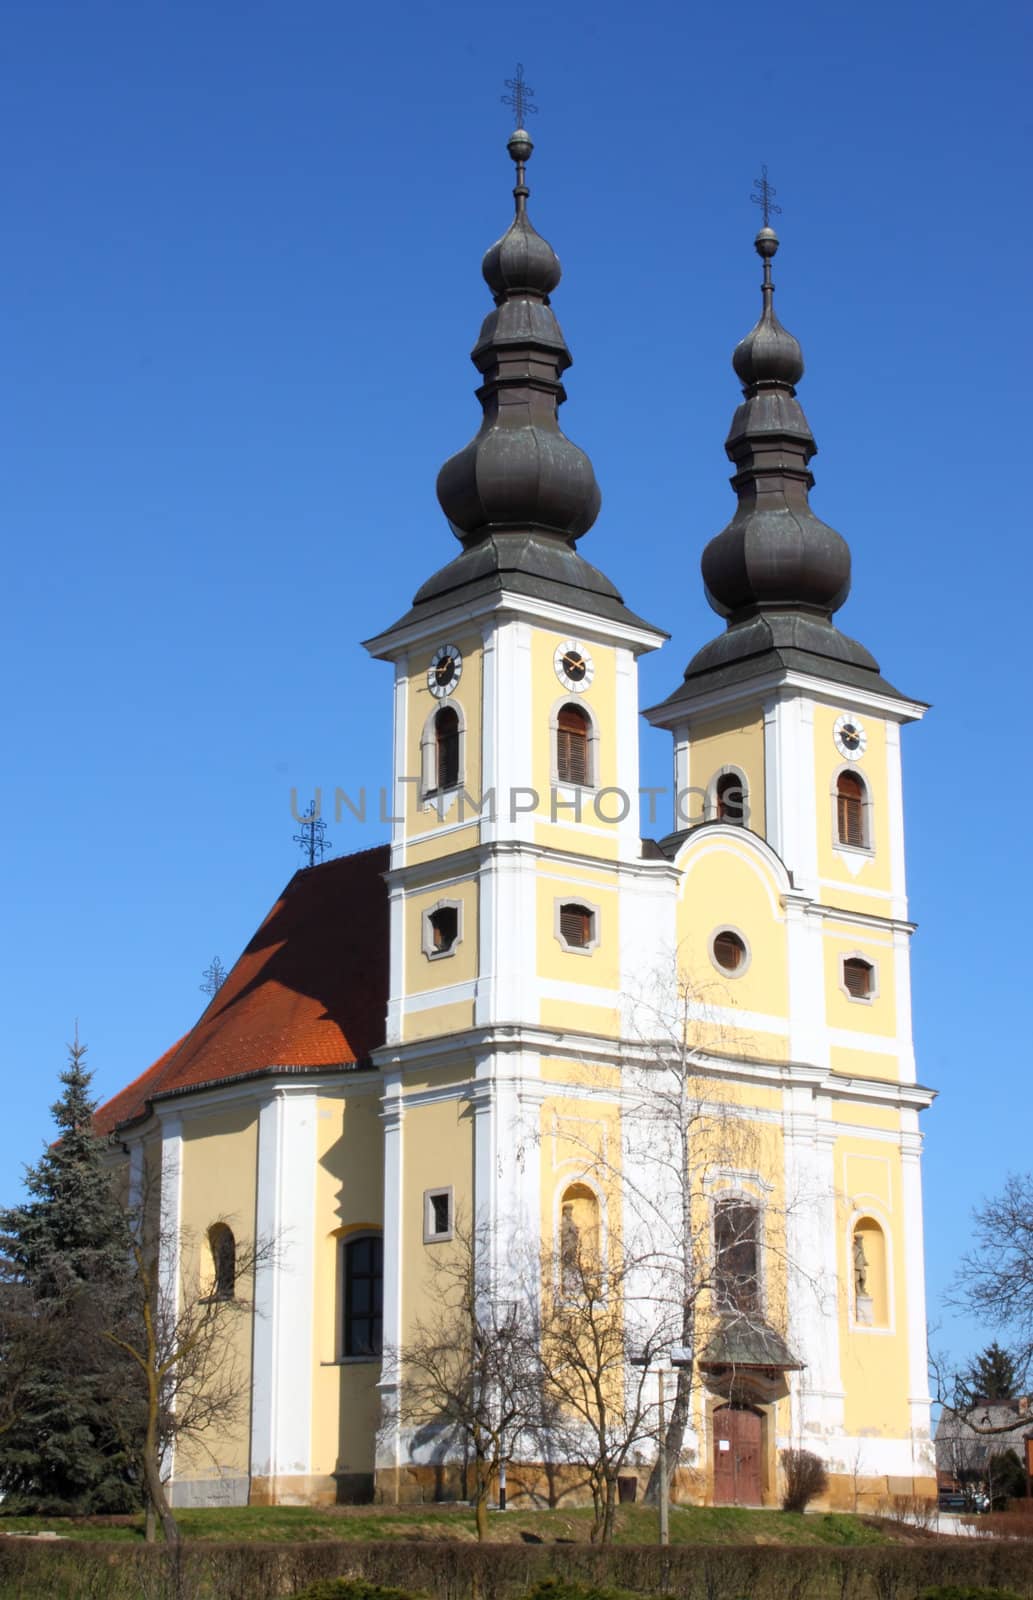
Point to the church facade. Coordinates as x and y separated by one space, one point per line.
483 1025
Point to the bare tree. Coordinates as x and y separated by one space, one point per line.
176 1328
469 1376
995 1278
694 1221
598 1342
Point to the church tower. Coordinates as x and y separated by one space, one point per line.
784 726
518 891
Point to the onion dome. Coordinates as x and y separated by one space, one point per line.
769 353
775 554
520 474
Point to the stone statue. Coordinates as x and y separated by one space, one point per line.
570 1241
860 1266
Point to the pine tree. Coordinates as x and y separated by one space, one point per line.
992 1376
70 1441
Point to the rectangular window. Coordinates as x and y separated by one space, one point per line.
735 1253
364 1296
437 1215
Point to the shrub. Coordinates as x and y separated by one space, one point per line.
353 1589
966 1591
805 1478
555 1588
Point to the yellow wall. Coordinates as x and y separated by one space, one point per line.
219 1164
349 1199
729 741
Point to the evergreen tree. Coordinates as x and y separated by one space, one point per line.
992 1376
70 1440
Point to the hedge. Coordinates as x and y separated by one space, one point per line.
69 1570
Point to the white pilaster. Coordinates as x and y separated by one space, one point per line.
789 798
281 1404
895 821
170 1238
401 796
808 1033
392 1115
914 1268
811 1267
508 765
629 836
507 963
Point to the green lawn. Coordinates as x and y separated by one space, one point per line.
636 1525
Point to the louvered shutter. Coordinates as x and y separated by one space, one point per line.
850 809
857 976
572 746
576 926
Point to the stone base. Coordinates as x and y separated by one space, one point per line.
224 1490
294 1491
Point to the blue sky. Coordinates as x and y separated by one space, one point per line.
239 284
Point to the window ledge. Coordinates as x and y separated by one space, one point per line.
855 849
352 1361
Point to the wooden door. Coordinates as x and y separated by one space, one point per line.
737 1434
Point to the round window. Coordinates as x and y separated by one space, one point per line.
729 951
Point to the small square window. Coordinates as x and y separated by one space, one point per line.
437 1215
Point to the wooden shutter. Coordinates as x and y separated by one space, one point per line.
850 809
446 735
576 926
857 977
572 746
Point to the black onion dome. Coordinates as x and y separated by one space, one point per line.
520 474
775 553
521 260
769 353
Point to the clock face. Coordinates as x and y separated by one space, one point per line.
445 671
573 665
851 739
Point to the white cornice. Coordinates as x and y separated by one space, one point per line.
464 863
574 1046
566 619
824 690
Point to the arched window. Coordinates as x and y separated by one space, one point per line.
223 1249
446 748
851 797
572 749
730 797
363 1286
868 1266
736 1237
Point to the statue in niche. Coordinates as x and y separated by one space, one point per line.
860 1266
570 1246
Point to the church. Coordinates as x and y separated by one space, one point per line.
496 1019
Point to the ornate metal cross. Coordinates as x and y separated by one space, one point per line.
214 977
312 838
519 97
765 197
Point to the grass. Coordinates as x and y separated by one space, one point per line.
636 1525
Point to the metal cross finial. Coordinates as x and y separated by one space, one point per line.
765 197
312 838
214 977
520 97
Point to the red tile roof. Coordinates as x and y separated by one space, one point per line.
310 990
